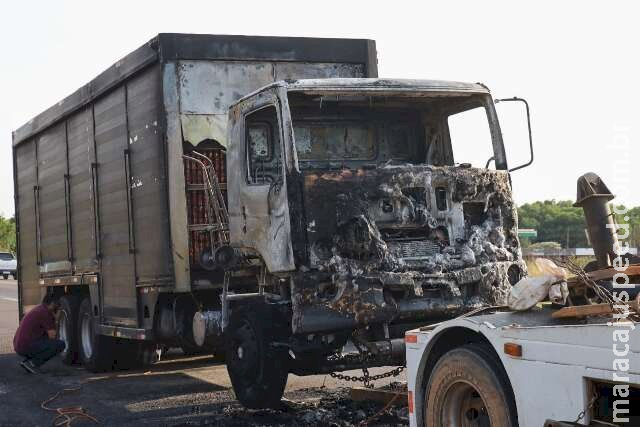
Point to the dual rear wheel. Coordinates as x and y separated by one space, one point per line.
97 353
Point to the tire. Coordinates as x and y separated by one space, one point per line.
68 328
5 276
468 387
258 370
95 351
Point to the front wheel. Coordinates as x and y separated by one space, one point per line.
467 388
258 369
5 276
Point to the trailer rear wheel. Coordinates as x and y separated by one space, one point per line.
467 388
95 350
257 369
68 329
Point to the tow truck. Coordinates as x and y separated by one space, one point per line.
523 369
574 366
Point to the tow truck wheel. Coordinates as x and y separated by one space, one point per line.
467 388
67 328
94 349
257 369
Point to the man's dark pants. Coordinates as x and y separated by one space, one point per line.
42 350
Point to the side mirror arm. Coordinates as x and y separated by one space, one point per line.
526 104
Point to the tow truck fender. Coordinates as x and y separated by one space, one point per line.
429 347
550 380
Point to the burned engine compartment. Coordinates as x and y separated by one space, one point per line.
402 243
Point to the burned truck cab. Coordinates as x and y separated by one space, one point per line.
360 194
371 205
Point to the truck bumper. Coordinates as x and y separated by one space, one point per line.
323 302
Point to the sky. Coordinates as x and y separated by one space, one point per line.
576 63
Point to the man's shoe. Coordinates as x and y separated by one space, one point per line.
28 366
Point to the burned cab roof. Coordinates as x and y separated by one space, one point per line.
376 86
382 86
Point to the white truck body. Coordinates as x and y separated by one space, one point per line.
554 377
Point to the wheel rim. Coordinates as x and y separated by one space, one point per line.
463 406
62 331
86 335
245 353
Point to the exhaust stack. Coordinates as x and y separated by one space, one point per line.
593 197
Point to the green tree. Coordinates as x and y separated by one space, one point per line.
8 234
632 219
555 221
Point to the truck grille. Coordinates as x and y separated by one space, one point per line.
413 248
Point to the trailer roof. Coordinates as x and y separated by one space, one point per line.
170 46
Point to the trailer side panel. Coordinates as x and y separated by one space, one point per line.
119 297
52 200
82 215
148 184
25 155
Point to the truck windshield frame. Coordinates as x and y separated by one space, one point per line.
328 129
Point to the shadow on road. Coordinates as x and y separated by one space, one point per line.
158 396
177 392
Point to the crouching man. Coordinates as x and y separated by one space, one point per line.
35 339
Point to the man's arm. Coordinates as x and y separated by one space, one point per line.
51 325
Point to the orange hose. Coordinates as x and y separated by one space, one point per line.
66 415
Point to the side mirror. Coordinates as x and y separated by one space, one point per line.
526 104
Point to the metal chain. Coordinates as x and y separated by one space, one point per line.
588 408
366 378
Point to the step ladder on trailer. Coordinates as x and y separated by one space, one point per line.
217 223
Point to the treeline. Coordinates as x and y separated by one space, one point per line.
8 234
555 221
561 222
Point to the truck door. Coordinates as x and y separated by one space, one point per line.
258 204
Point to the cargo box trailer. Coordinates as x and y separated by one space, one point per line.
107 208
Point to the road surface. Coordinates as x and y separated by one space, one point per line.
8 313
178 391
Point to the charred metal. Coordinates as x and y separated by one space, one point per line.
382 247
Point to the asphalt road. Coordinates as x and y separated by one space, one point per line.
9 290
177 391
8 313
